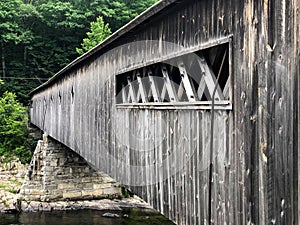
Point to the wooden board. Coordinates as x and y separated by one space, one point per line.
256 143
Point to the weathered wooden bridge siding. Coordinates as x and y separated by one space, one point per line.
103 135
256 180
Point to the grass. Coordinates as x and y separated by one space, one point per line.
11 186
8 188
5 203
125 193
12 191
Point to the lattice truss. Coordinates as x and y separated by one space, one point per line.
188 78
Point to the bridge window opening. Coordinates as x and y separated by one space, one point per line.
189 79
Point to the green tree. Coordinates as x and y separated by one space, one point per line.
39 37
117 13
16 36
99 32
58 32
13 28
13 128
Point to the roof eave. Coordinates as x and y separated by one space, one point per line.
160 5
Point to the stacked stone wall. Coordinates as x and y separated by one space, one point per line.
57 173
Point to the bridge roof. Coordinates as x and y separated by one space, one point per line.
143 17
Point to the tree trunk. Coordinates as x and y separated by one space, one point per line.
3 60
24 60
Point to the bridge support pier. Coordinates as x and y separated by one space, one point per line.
58 173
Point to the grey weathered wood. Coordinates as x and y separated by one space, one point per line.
153 88
227 89
298 87
131 92
190 92
124 94
169 85
180 90
141 88
202 87
256 182
163 92
209 78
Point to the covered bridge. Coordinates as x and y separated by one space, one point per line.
194 105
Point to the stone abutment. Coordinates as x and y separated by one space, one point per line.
56 173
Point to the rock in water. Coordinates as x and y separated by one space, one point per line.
111 215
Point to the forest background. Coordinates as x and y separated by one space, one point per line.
37 39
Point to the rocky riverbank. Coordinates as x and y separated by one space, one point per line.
103 204
12 175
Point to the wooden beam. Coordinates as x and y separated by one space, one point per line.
131 92
153 87
186 82
201 88
163 93
142 91
209 78
226 89
180 91
124 95
169 84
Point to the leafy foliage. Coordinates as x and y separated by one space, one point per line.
119 12
99 32
13 128
116 13
39 37
16 18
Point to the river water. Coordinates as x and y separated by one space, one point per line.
86 217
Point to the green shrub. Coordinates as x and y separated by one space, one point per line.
125 192
13 128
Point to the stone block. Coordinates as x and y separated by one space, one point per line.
34 186
112 191
51 187
107 179
53 196
36 192
72 194
53 163
97 179
63 174
49 169
66 185
99 186
86 179
87 185
24 205
87 169
90 194
66 177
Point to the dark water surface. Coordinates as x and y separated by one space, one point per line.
86 217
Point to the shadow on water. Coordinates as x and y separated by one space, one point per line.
86 217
